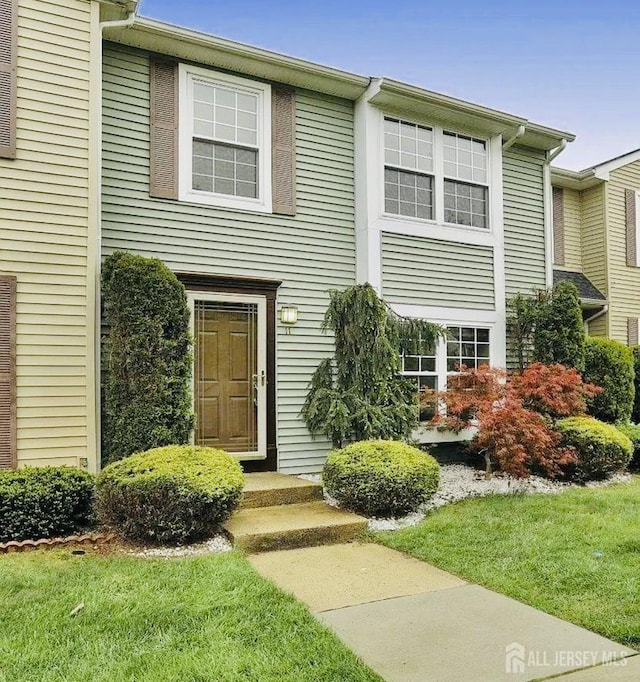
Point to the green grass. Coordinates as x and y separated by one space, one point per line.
208 618
575 555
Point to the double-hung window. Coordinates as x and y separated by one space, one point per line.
225 140
468 346
435 174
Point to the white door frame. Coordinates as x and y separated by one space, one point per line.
261 365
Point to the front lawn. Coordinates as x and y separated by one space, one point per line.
200 619
574 554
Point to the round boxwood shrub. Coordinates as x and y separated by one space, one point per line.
44 502
633 432
170 494
381 478
601 448
609 364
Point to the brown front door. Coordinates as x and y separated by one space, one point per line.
228 376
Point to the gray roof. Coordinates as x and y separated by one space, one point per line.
585 287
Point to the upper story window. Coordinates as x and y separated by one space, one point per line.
225 150
434 174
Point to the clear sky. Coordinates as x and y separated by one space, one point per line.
569 64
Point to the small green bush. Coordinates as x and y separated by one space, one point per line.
635 413
601 448
44 502
633 433
609 364
169 494
381 478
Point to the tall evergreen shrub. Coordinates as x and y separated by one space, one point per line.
635 414
609 364
147 396
559 334
359 394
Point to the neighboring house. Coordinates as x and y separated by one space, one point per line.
596 242
49 167
265 181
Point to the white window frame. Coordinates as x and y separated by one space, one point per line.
438 176
187 75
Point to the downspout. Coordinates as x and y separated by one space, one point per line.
512 140
595 316
118 23
548 216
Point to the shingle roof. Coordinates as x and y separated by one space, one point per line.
585 288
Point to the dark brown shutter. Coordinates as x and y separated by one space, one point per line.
8 66
163 172
283 126
7 372
632 331
632 249
558 226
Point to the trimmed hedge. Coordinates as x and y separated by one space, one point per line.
381 478
44 502
632 431
601 448
169 494
609 364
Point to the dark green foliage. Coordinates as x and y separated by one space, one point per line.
147 396
601 448
522 316
44 502
381 478
632 431
359 394
169 494
635 413
559 334
609 364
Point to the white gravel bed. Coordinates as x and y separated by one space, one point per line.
458 482
218 543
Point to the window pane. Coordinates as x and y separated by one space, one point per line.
465 204
465 158
472 351
414 192
224 170
411 363
483 335
408 145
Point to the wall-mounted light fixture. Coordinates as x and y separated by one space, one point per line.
288 316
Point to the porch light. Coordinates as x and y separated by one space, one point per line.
289 316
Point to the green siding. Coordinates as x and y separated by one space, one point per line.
310 252
524 233
436 273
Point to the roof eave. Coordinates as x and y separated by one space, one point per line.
175 41
577 180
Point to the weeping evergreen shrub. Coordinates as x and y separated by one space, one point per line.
559 335
147 395
609 364
358 394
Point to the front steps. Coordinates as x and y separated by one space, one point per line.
284 512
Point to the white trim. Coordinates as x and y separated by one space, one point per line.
263 203
261 365
548 223
637 197
603 170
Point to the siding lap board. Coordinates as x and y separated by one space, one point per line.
431 272
310 252
524 229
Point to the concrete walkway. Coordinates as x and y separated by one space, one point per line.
410 621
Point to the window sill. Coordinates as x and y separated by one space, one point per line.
226 202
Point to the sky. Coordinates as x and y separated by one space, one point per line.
573 65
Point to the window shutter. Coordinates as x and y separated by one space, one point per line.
283 126
8 66
632 331
558 226
632 228
163 172
7 372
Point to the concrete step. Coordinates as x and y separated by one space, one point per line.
270 489
289 526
